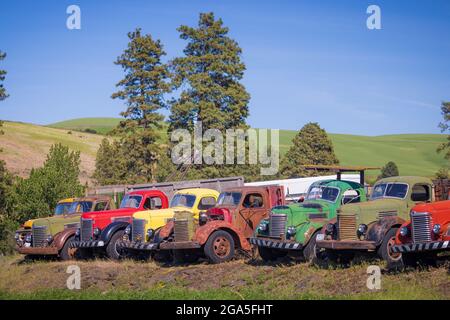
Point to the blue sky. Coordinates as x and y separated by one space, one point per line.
306 60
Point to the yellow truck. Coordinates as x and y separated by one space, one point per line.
145 224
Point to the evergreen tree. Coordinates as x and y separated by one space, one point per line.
210 73
445 127
57 179
311 146
389 170
209 76
143 89
3 94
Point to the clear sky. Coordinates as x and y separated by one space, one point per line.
306 60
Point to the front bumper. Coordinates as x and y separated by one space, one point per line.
174 245
38 250
140 246
87 244
276 244
346 244
424 246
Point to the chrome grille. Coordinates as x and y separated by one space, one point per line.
347 227
277 225
86 229
181 230
138 229
39 236
421 226
385 214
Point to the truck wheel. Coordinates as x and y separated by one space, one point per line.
66 252
112 251
394 260
311 252
185 256
219 247
268 254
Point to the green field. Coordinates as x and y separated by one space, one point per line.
415 154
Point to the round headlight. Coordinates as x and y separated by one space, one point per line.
28 237
128 229
150 233
404 231
291 230
263 227
49 239
96 231
362 229
77 232
329 229
16 236
436 228
203 218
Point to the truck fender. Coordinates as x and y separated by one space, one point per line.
112 228
202 233
378 229
166 230
61 237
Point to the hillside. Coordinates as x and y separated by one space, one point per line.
25 146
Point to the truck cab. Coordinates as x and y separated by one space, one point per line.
62 207
372 225
99 231
221 230
427 232
292 229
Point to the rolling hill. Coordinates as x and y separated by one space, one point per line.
25 146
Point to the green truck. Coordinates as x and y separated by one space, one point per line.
292 229
372 226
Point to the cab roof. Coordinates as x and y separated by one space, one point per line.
66 200
338 183
198 191
411 180
93 198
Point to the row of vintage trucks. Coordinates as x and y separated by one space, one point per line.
401 222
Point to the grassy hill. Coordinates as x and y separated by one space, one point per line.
25 146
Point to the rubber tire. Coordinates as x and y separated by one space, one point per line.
383 252
209 250
310 250
268 254
111 251
64 252
84 254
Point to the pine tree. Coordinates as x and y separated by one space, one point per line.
389 170
210 73
209 76
310 146
143 89
445 127
3 94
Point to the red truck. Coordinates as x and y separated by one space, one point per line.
100 231
425 234
220 231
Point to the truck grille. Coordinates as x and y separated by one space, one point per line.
138 229
181 230
39 236
421 226
86 229
347 227
277 225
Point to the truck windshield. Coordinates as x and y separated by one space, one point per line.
62 208
80 206
183 200
389 190
322 193
229 198
131 201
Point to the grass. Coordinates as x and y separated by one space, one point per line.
101 279
25 146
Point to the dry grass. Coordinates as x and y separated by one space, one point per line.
233 280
